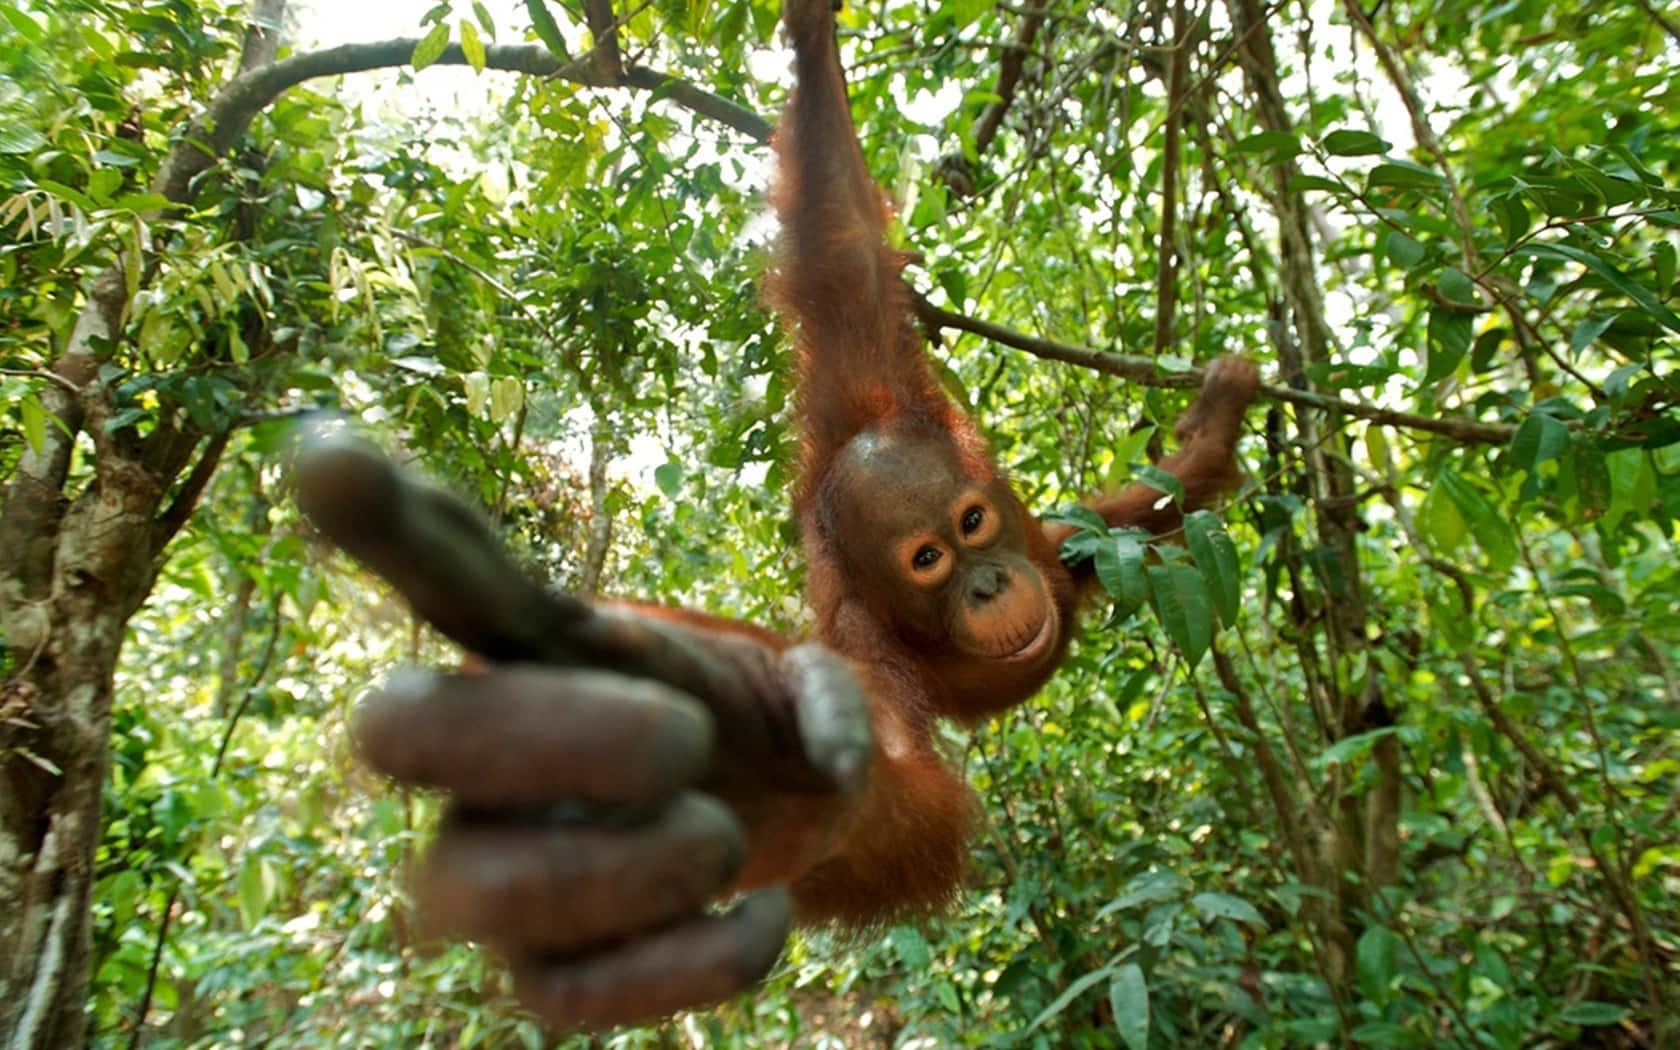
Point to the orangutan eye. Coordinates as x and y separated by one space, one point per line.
971 520
926 558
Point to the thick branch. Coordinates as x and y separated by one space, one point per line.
1145 372
604 28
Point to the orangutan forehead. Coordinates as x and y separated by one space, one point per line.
882 451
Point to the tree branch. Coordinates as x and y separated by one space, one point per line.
604 28
214 132
1671 28
1166 261
1145 371
956 170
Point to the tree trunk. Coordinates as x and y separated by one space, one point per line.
1360 845
77 559
53 763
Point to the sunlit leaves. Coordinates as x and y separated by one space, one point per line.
1611 274
542 21
625 237
27 28
472 45
431 46
1349 142
34 419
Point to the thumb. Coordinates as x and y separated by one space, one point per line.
832 713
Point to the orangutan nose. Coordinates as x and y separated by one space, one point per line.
987 583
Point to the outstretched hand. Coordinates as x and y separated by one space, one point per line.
609 776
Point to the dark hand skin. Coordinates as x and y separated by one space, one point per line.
587 770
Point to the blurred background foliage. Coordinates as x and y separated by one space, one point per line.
1420 790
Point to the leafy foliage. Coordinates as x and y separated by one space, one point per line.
1391 760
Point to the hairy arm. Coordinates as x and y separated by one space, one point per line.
1205 463
835 282
610 774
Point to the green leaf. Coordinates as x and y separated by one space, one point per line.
1611 275
63 192
669 477
1662 267
1181 602
1350 143
1403 175
542 21
1155 477
253 887
507 397
1592 1014
1493 533
1633 484
1449 338
1128 997
25 27
1280 145
34 424
485 22
1375 954
1440 522
431 47
1354 748
1216 556
1511 213
1587 330
1405 251
1457 287
1120 570
1226 906
1540 438
472 46
1149 888
1303 183
912 948
1074 991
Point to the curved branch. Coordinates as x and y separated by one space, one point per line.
214 131
1145 372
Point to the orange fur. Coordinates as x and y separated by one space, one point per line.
899 847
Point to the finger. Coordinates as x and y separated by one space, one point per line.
522 736
694 964
442 557
431 547
832 712
567 888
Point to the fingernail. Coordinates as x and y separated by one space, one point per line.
408 684
850 769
